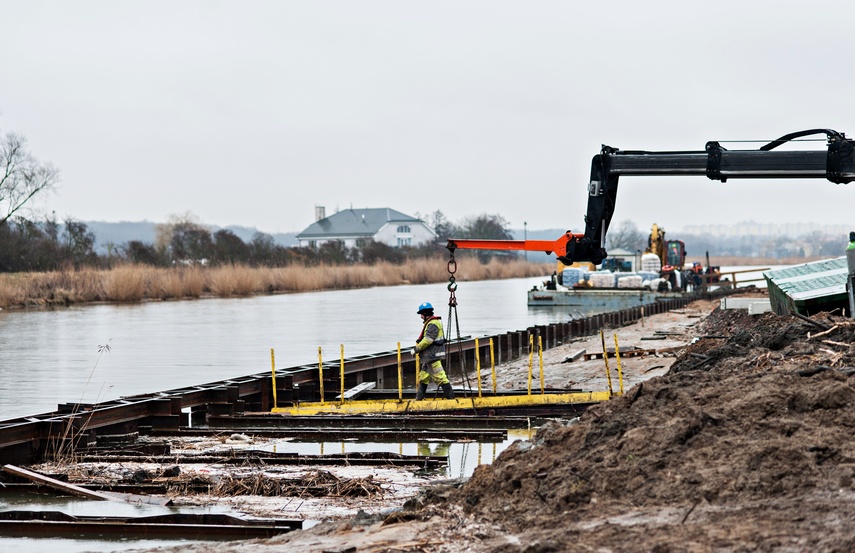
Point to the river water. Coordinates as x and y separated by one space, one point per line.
102 352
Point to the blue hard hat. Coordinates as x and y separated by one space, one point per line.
426 306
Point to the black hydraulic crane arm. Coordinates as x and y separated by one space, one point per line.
836 163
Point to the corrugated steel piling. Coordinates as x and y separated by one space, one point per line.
26 439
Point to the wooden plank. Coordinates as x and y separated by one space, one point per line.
138 499
358 390
56 484
83 492
623 354
575 356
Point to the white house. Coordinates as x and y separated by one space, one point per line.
355 226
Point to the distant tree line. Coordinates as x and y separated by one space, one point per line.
815 244
47 245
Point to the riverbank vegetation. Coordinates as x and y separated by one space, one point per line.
130 283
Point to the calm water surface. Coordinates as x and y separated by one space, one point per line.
52 356
48 357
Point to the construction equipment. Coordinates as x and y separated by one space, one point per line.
670 252
836 163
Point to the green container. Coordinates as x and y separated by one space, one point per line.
810 287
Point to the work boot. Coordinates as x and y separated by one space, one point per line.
447 391
420 395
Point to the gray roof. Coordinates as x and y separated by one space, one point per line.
355 222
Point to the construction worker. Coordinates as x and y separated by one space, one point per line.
430 346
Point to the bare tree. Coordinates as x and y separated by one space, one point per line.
22 176
626 236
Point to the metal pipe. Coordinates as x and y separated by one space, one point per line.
619 370
321 373
540 355
493 365
273 369
400 376
606 361
530 360
478 365
342 373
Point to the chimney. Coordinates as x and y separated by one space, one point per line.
320 213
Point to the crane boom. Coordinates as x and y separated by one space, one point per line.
836 163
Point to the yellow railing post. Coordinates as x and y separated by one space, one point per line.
478 365
273 369
530 360
400 376
540 355
493 365
418 364
606 360
342 373
321 372
619 370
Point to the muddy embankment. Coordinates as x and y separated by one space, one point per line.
745 444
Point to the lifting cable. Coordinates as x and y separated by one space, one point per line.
452 308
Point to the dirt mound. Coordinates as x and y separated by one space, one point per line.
745 445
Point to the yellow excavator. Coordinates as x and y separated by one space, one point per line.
672 253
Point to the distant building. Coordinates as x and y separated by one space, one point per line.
356 226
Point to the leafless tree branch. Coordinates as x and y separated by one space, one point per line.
23 176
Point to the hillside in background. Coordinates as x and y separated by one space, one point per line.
144 231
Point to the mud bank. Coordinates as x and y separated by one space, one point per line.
744 444
454 516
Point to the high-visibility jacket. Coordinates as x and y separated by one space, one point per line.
431 342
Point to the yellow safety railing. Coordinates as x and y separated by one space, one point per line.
478 365
396 405
321 372
273 369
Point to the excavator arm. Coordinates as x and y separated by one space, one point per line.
836 163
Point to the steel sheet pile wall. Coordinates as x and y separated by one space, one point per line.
28 439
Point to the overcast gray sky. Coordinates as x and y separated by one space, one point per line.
253 112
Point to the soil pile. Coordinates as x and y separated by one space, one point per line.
746 444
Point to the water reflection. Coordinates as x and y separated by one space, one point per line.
463 457
48 357
86 507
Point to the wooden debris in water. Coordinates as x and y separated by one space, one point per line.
319 483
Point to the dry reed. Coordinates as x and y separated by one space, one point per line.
126 284
134 283
235 280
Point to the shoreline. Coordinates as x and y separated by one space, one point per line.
141 283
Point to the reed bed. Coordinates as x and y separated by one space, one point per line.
135 283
